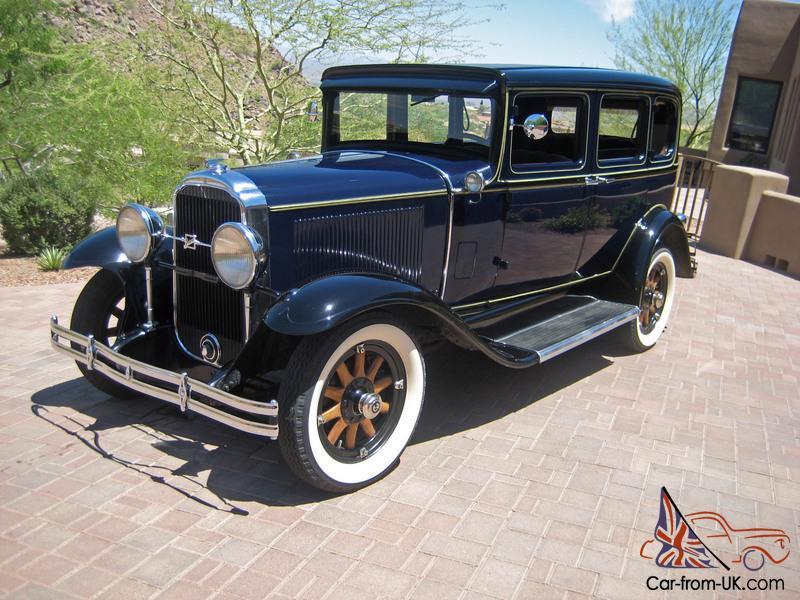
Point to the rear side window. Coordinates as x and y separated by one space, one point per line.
622 130
664 130
561 144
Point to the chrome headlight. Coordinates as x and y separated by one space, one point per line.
236 252
137 225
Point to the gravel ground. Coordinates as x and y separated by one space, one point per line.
18 272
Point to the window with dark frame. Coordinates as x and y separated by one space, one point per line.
664 129
622 130
564 146
753 114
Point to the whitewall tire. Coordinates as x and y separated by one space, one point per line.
655 302
350 402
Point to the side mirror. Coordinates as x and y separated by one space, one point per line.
536 126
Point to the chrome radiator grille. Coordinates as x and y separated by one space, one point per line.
203 304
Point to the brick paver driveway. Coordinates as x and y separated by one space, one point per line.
540 483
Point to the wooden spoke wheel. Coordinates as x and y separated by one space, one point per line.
655 302
653 297
350 402
361 398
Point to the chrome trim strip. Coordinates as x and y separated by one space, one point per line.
358 200
588 334
247 308
148 284
238 185
124 369
660 167
569 283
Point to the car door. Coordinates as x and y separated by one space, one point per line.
545 204
627 177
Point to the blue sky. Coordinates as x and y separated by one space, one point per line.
554 32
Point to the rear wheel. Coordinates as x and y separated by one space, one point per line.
100 311
655 303
350 402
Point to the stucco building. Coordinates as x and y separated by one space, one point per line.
758 119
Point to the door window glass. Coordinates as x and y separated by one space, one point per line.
622 131
563 144
665 129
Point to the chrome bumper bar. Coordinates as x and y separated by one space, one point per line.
123 370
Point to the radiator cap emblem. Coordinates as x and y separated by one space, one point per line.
209 348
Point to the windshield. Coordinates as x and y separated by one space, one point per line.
412 120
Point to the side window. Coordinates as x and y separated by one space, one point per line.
664 130
563 145
753 114
622 130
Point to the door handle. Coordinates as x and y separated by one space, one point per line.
597 180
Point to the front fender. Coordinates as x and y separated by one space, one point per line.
322 304
100 249
325 303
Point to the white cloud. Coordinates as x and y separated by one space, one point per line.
613 10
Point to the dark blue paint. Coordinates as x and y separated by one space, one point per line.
100 249
519 236
340 176
544 228
477 240
431 76
323 304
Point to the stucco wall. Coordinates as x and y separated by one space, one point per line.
773 235
765 46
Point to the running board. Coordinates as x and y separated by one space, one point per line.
586 319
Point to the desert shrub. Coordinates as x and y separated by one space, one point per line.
41 210
51 259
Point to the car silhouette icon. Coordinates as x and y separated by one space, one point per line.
756 544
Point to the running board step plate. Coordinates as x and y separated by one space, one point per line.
588 319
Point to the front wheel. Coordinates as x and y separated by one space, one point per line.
655 302
350 402
100 311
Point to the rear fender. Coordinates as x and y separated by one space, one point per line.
660 228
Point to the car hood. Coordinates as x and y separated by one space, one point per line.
343 175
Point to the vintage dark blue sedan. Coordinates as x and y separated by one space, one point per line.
516 211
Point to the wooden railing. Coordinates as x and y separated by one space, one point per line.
692 186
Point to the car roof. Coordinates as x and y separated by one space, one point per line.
484 77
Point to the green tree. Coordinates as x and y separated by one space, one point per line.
686 41
232 73
25 40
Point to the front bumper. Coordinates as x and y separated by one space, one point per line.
259 418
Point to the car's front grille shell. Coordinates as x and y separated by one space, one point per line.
203 304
